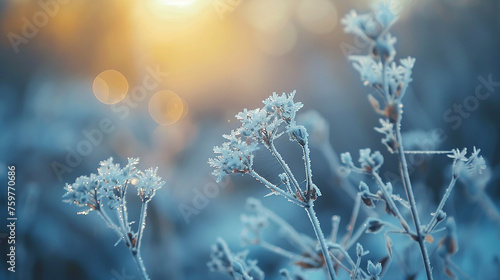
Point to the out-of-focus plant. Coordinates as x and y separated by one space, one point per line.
235 265
110 184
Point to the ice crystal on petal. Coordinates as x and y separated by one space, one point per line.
235 156
148 184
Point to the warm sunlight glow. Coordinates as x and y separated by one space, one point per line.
177 3
166 107
110 87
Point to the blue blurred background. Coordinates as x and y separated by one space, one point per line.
163 79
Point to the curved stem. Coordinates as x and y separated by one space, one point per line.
286 168
274 188
354 217
294 237
287 254
110 223
321 239
432 224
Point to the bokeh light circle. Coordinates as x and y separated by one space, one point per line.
110 87
166 107
317 16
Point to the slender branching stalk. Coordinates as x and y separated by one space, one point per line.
111 183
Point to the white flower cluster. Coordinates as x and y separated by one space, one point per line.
261 125
111 181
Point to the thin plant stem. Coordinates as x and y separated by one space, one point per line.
335 228
411 199
274 188
390 201
308 171
287 254
354 216
343 252
136 254
124 206
110 223
321 239
355 237
142 224
429 152
123 226
432 224
339 262
292 233
286 168
140 264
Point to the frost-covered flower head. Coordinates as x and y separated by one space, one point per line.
115 179
111 181
148 183
283 106
234 156
84 192
261 125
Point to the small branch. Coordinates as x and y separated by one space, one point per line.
391 202
335 228
355 237
274 188
343 252
354 216
432 224
429 152
292 233
286 168
110 223
287 254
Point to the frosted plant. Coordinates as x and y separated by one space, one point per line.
391 80
261 127
264 126
235 265
110 184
